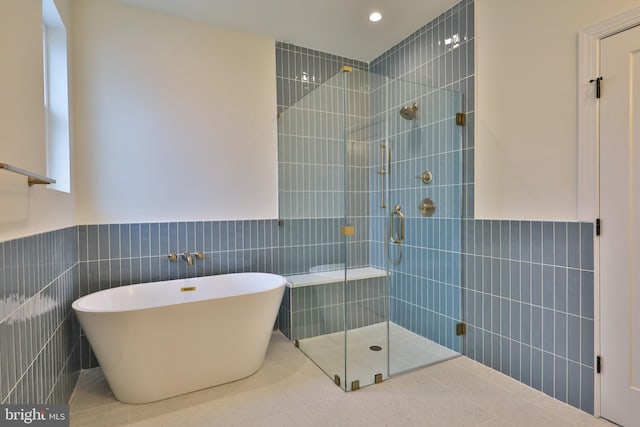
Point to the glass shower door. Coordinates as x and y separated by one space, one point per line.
366 289
425 196
370 200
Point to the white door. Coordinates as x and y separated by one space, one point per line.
620 238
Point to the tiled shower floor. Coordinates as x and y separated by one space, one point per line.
289 390
407 351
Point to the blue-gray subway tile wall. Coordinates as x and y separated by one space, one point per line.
425 57
527 285
313 164
284 313
426 285
528 302
41 347
321 309
299 71
39 336
115 255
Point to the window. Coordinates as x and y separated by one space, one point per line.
56 96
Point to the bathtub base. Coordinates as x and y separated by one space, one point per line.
157 353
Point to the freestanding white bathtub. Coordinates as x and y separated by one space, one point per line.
162 339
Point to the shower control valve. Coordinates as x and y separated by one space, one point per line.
426 177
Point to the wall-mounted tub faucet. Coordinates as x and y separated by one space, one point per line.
187 256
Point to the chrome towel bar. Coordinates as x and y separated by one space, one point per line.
32 178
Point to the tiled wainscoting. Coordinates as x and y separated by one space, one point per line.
41 348
528 303
527 295
39 336
124 254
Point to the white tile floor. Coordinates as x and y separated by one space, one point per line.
408 351
289 390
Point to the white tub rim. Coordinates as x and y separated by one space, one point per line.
81 304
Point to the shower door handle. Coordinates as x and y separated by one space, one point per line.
396 238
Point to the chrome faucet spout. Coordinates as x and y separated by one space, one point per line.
188 257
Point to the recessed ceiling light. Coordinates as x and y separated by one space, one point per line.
375 17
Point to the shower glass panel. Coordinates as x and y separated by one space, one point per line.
376 285
312 170
425 185
366 288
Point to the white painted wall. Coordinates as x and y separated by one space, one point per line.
25 211
175 120
526 144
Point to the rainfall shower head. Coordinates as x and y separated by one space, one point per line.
408 112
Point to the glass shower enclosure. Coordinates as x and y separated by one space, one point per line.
370 196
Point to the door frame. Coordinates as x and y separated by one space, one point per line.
589 147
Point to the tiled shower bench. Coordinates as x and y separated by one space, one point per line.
314 303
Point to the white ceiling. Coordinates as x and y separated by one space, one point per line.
340 27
